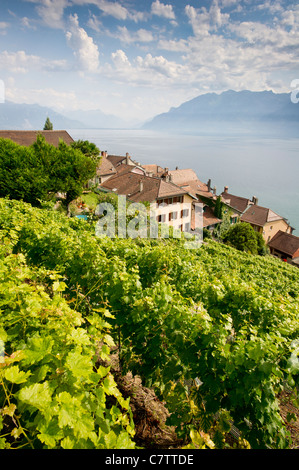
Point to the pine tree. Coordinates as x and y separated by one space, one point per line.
48 125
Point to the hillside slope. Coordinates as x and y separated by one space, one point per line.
213 331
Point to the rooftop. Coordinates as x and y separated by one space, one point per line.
140 188
27 138
258 215
238 203
285 243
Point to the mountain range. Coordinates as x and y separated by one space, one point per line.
14 116
232 112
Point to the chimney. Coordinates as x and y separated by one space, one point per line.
170 178
226 189
127 158
104 153
140 186
255 200
166 170
214 190
176 167
209 185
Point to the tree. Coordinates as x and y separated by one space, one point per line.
48 125
68 168
218 210
41 170
243 237
87 148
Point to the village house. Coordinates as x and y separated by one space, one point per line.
286 247
111 165
235 206
27 138
265 221
172 204
262 219
188 180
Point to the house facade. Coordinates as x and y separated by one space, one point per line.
170 204
265 221
204 195
285 246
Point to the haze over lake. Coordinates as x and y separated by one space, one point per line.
265 168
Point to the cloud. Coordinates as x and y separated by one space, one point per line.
142 35
51 11
114 9
150 71
21 63
43 96
3 28
160 9
95 23
85 50
203 21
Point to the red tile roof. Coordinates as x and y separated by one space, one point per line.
27 138
258 215
151 189
236 202
188 180
209 218
105 168
285 243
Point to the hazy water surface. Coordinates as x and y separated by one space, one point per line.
265 168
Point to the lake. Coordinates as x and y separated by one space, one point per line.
265 168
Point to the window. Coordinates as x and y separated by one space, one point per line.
161 218
173 216
184 213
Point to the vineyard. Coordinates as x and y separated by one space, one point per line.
213 332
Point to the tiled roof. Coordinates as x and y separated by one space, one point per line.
183 176
152 188
209 218
115 159
155 169
285 243
27 138
236 202
106 167
197 188
188 180
258 215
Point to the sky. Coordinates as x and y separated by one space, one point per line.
138 58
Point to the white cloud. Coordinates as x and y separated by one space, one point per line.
120 60
203 21
199 21
85 50
273 7
3 28
161 9
43 96
95 23
142 35
51 11
114 9
20 62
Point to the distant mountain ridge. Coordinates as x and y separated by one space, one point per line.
233 112
14 116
